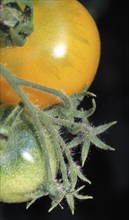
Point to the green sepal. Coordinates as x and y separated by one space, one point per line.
16 22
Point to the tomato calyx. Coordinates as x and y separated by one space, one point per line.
53 120
16 22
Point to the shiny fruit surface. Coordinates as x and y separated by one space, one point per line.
62 52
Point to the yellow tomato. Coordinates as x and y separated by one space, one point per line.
62 53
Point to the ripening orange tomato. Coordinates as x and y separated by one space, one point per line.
62 53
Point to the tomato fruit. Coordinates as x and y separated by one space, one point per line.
62 53
22 169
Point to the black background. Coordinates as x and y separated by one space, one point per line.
108 171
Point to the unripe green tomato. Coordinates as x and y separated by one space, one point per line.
22 166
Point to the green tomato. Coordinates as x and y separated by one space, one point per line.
22 167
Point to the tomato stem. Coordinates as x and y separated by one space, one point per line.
13 80
52 121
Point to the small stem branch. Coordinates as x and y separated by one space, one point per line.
12 117
54 135
15 80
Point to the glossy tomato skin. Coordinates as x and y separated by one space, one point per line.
62 53
22 168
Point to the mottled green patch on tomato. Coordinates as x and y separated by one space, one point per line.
22 167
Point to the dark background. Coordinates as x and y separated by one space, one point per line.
108 171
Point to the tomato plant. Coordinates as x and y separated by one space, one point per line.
59 59
62 52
